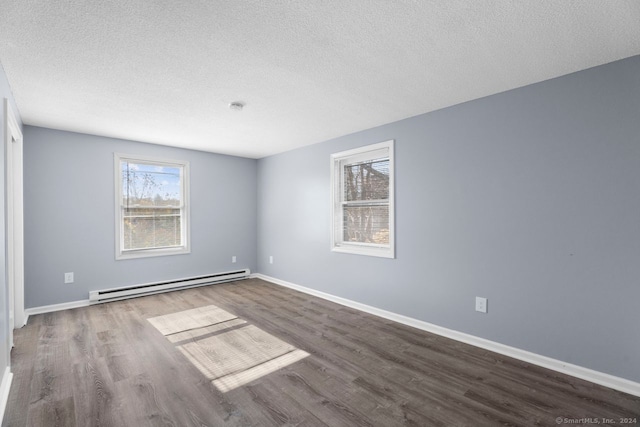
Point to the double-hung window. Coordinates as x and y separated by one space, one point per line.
362 200
152 206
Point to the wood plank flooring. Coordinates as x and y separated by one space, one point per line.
107 365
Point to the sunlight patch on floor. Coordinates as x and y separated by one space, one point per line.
229 382
190 319
227 350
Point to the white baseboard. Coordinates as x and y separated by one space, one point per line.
56 307
5 386
587 374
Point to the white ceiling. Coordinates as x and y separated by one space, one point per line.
165 71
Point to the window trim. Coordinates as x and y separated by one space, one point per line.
364 153
185 248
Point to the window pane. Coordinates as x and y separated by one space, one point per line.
151 200
367 180
151 228
366 224
150 185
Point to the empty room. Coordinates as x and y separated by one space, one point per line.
320 213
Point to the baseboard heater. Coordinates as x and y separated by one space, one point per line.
115 294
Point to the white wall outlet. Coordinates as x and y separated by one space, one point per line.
271 259
68 277
481 304
233 259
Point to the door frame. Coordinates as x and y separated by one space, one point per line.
14 220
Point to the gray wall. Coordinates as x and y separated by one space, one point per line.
70 226
5 92
530 198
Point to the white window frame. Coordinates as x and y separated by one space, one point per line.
185 222
338 160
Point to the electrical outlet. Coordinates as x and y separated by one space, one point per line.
68 277
233 259
271 259
481 304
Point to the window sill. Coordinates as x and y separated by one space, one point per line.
367 251
147 253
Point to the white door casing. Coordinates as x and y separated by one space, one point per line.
14 220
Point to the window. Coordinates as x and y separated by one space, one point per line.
362 193
152 216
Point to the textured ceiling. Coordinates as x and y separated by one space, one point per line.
165 71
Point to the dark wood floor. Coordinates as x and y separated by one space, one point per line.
107 365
